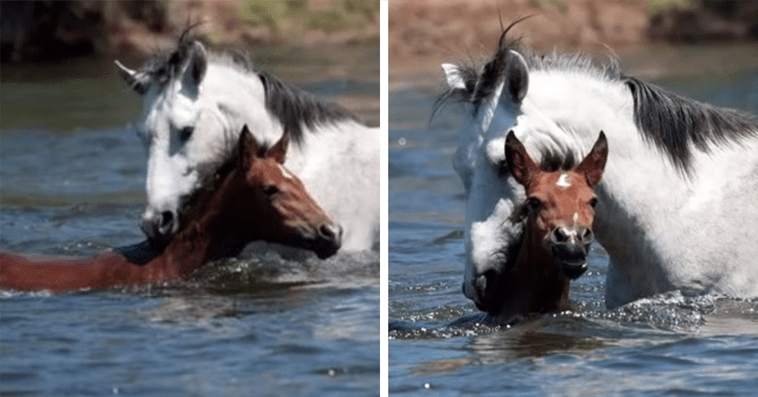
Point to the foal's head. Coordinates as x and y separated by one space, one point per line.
559 212
259 199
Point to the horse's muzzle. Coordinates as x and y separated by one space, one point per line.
159 227
570 247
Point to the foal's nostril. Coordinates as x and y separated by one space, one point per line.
329 240
331 232
587 236
559 235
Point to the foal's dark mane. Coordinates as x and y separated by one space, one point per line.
671 122
292 106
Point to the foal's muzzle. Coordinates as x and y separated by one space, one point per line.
328 240
570 247
159 226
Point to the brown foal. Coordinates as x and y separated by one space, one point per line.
559 212
251 196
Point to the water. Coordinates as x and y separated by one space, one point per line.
665 345
72 174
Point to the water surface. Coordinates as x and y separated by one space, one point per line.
72 174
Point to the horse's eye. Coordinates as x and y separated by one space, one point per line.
593 202
186 133
270 190
502 168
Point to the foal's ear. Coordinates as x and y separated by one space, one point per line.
247 149
593 165
279 151
519 163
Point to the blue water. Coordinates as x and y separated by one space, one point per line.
72 174
667 345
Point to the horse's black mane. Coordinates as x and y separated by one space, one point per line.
553 161
671 122
292 106
295 107
675 124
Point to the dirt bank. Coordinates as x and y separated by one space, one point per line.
45 30
422 34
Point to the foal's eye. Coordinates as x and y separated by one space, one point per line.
186 133
270 190
533 204
593 202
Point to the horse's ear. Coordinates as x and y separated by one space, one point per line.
279 150
522 167
453 76
137 81
594 163
516 76
247 148
196 64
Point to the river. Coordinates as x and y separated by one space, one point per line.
72 183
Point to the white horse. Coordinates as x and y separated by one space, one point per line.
678 204
194 106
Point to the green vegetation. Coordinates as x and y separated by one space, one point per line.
272 14
656 6
328 21
266 13
558 3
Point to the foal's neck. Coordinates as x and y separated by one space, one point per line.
192 246
537 284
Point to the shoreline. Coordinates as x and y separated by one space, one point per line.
422 35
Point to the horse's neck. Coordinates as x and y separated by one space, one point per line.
663 228
321 163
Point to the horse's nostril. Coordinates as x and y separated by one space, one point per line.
167 217
166 223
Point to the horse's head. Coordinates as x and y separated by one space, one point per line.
191 108
498 100
493 230
261 200
560 203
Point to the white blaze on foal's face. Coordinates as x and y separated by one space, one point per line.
564 181
285 172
